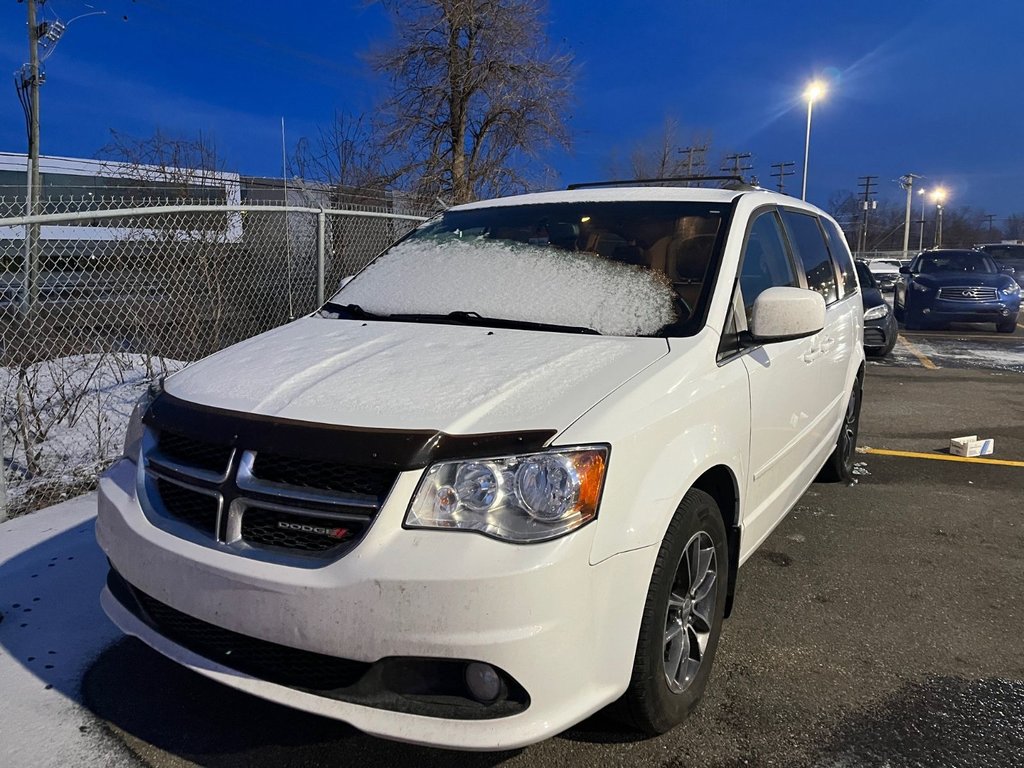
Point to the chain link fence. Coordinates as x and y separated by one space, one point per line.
97 300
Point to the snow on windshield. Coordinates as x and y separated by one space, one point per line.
515 281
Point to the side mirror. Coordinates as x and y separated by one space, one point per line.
904 270
781 314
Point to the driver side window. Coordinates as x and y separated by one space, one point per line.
766 263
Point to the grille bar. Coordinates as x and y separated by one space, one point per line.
968 293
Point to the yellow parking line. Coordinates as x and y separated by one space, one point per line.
921 356
941 457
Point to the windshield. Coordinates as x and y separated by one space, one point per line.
879 265
955 261
632 268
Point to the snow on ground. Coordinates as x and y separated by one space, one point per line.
51 573
63 421
515 281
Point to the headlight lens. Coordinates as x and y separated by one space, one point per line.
1012 289
528 498
876 312
133 436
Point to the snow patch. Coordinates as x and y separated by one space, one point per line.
515 282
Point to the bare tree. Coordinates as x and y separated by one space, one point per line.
343 155
176 166
475 90
661 155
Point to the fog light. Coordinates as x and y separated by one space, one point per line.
926 311
483 682
1006 313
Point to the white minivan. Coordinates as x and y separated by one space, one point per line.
507 475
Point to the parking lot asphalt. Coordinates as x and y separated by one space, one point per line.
879 626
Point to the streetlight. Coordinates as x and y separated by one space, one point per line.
815 90
938 197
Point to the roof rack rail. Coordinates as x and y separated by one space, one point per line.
735 182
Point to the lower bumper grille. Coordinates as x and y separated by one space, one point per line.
428 687
874 337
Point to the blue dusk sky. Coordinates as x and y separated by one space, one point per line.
933 87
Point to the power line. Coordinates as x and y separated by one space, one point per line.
738 167
782 174
689 152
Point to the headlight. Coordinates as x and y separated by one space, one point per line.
528 498
133 436
919 287
1012 289
876 312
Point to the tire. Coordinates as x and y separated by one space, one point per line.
1007 326
839 467
674 624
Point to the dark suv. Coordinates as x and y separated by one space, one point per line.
946 285
1009 256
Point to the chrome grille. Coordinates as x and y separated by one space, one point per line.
312 509
970 293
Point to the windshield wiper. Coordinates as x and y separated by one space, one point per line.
462 317
458 317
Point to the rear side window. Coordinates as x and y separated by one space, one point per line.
811 251
841 254
766 263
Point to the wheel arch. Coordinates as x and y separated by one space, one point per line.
720 483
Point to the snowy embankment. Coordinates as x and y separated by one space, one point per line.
63 421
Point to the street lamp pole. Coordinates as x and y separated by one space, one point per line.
920 238
939 197
814 91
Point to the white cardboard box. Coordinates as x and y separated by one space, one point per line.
971 446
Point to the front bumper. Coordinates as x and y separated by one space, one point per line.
562 629
974 312
880 333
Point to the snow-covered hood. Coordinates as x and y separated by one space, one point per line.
456 379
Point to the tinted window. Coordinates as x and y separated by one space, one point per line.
809 244
954 261
841 254
766 263
867 280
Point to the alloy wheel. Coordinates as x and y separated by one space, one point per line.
691 609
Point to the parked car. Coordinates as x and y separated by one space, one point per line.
946 285
885 271
880 328
507 475
1009 257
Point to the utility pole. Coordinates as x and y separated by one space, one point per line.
30 83
866 183
738 167
782 174
689 152
989 217
907 182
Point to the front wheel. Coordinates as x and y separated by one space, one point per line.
1007 326
682 618
839 467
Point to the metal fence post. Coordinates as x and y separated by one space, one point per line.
321 255
3 476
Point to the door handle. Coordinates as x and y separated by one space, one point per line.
811 355
827 345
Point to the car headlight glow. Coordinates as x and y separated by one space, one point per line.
1012 289
876 312
527 498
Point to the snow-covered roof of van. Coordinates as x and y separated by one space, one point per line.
611 195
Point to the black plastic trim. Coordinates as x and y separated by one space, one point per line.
362 446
